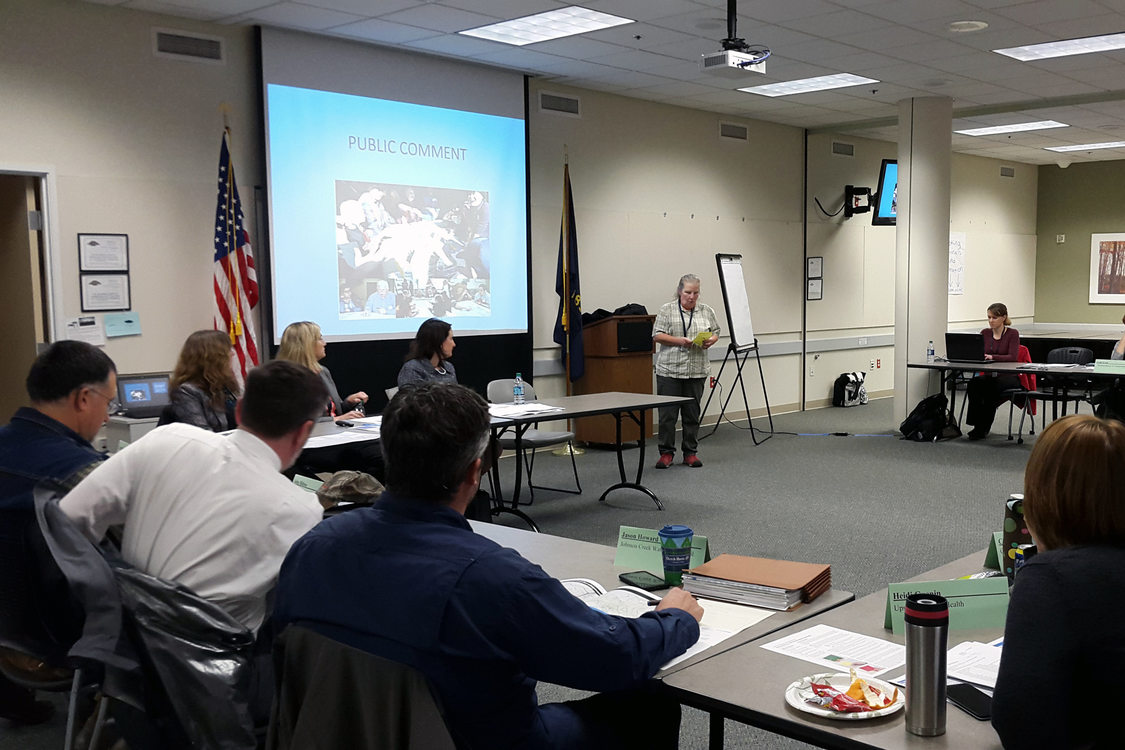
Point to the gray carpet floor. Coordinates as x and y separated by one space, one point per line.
877 508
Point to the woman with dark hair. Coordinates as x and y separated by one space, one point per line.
428 358
985 392
1062 643
204 389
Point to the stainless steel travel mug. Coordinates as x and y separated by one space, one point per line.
927 633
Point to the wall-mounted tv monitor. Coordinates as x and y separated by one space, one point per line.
886 200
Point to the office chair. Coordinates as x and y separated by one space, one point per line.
328 694
500 392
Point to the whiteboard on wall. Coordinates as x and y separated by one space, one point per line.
736 300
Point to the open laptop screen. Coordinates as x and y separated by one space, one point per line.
144 394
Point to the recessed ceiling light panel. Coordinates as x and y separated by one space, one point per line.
1066 47
1087 146
553 24
1019 127
807 85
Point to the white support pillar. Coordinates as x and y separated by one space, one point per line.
921 241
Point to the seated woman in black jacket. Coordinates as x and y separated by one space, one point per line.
1063 651
204 388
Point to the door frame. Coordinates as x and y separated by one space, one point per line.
47 191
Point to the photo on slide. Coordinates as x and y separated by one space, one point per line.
412 251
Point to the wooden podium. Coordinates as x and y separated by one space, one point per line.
618 358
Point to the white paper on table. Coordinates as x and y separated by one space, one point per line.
340 438
376 420
721 620
974 662
520 410
841 650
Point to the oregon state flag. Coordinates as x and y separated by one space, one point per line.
568 325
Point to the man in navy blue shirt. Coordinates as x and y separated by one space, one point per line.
410 581
72 386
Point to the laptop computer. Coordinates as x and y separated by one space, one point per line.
964 347
144 394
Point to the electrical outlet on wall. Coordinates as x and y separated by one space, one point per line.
878 364
872 366
712 381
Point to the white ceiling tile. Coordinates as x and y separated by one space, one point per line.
378 30
634 59
775 11
456 45
641 10
578 47
181 9
440 18
501 9
650 35
366 8
832 25
297 16
1048 11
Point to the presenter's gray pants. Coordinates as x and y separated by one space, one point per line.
688 413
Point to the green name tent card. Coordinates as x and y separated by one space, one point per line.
973 602
639 549
307 483
995 551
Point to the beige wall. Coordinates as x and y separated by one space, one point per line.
1081 200
132 142
657 194
997 215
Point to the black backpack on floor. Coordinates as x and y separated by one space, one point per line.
849 390
930 421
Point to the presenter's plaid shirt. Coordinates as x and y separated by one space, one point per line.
678 361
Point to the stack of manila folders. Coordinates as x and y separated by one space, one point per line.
758 581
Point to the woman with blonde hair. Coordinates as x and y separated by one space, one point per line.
1063 650
303 344
204 388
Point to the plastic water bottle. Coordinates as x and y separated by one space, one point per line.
930 352
517 390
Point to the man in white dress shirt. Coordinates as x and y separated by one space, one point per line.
212 511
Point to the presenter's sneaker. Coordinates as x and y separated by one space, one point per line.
977 434
665 460
693 461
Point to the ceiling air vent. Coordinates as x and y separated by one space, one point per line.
1007 171
839 148
560 104
734 131
182 45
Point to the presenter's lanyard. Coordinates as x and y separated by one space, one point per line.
687 324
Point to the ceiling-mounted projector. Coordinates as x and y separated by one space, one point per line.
737 56
733 64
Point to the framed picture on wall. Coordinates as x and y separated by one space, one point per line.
104 291
1107 268
103 252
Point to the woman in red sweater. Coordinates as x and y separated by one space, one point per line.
1001 344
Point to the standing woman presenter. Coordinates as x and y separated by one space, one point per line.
684 330
1001 344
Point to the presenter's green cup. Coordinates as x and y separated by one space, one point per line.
675 548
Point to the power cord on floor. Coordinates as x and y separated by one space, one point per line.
750 424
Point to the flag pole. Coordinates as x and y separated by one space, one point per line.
569 448
566 266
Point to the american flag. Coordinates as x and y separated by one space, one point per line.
236 282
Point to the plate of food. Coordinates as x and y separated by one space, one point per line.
847 697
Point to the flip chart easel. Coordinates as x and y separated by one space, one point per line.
742 341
